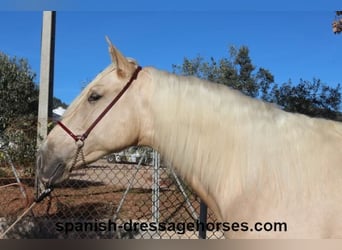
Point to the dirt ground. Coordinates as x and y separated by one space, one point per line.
96 192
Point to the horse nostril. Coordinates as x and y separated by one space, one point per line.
50 167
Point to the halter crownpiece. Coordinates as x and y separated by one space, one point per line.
84 136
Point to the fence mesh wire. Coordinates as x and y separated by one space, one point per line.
87 205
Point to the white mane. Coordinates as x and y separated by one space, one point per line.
248 141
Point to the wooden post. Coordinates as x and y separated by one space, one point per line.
46 74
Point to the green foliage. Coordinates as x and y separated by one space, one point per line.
311 98
315 98
3 173
21 138
18 109
236 71
19 94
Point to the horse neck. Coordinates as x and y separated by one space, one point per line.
188 131
225 144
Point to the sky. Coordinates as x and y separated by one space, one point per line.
291 43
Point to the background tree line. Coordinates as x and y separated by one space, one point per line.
18 111
19 95
313 98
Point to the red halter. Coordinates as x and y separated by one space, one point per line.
104 112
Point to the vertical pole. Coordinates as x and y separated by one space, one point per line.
203 220
46 74
155 187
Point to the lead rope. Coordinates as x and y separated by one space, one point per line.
47 192
17 220
41 197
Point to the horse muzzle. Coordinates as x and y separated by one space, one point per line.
50 170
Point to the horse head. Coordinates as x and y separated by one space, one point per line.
118 128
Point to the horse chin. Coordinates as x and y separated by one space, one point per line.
60 175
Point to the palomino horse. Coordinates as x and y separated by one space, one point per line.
248 160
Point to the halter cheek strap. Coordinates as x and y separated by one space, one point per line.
81 138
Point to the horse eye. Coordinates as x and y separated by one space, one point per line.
94 97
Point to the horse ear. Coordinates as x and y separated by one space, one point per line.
123 66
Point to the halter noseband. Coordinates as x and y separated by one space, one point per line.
81 138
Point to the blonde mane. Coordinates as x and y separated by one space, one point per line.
248 141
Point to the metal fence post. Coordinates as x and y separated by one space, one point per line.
202 234
155 187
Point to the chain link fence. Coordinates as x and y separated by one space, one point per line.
139 198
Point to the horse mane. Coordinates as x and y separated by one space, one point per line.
200 124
